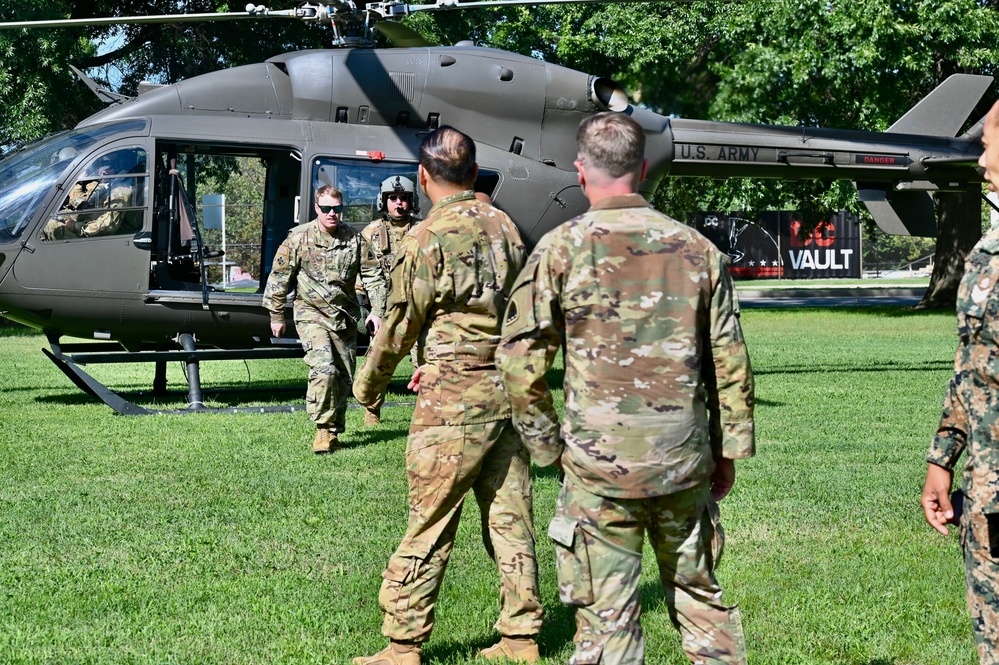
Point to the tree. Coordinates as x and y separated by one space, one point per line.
36 84
41 94
827 64
857 65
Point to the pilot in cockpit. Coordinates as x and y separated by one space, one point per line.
99 191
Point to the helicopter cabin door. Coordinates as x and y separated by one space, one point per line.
95 236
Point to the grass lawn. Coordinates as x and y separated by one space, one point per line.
221 539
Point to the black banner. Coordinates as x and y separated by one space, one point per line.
771 245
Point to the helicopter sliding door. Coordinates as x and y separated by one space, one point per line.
94 238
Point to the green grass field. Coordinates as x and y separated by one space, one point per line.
222 539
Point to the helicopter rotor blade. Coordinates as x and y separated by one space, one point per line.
80 22
401 35
305 11
397 8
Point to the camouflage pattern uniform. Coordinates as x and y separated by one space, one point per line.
382 240
970 422
322 268
657 386
87 195
455 272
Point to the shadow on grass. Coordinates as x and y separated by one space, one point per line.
880 311
549 471
827 368
11 329
368 436
556 633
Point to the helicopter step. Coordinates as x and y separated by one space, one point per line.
69 357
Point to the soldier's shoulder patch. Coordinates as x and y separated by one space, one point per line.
283 255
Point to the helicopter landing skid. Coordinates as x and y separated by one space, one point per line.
69 357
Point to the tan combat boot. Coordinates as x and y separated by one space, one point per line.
514 649
372 415
396 653
325 441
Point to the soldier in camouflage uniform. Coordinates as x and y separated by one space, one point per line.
321 261
970 422
97 191
658 404
398 203
449 293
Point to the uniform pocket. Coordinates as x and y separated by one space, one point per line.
572 562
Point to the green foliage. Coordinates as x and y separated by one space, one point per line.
38 91
41 95
242 181
222 539
884 251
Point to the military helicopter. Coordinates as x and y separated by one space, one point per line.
352 116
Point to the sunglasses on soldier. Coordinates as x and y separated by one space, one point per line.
327 209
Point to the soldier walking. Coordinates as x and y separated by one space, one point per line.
320 260
658 404
448 295
398 203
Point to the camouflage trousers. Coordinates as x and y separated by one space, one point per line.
981 576
331 357
598 546
443 464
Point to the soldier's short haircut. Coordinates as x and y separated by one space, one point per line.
328 190
612 142
449 156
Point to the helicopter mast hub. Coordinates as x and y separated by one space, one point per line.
390 9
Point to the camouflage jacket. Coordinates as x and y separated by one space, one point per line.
119 196
95 194
450 289
382 239
971 410
322 269
657 376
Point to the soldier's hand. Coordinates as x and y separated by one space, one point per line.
936 498
373 324
414 383
277 329
723 478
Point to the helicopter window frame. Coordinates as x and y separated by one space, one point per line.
360 206
360 192
129 207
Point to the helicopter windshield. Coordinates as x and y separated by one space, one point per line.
27 176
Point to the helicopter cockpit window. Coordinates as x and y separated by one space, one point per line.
108 198
360 183
28 176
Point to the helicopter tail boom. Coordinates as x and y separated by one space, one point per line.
895 172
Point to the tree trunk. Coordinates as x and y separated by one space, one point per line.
960 222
